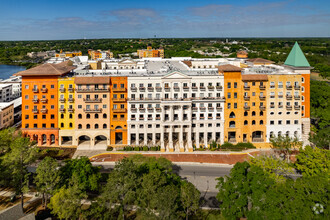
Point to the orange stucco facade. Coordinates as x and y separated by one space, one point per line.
118 110
39 109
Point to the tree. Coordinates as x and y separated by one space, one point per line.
241 193
190 198
285 145
321 138
67 202
313 162
21 154
47 178
88 176
275 167
7 136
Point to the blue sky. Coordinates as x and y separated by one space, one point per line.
65 19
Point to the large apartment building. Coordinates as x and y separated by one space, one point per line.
177 103
149 52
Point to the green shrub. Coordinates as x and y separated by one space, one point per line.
136 148
145 148
245 145
227 145
109 148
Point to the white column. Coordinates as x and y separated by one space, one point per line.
171 113
171 139
145 141
205 139
197 139
137 141
154 138
189 141
162 143
129 135
181 139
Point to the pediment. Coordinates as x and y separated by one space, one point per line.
127 62
176 75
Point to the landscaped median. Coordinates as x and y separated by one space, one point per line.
196 157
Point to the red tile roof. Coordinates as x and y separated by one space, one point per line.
229 68
48 69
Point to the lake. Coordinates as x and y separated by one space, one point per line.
7 71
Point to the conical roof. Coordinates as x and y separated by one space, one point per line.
296 57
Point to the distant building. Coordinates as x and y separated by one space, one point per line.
149 52
16 83
44 54
5 92
6 115
99 54
242 54
68 54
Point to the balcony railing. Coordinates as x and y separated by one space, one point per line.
297 87
70 89
280 96
119 100
62 89
202 109
142 109
280 106
185 88
272 106
262 97
210 87
219 108
80 90
133 89
262 108
158 88
289 87
44 90
99 110
297 97
43 110
219 87
151 89
211 108
62 110
297 107
142 88
176 88
35 110
35 90
158 109
62 100
119 110
96 100
289 107
133 109
246 98
35 100
246 107
43 100
71 100
289 97
262 87
119 89
202 87
194 87
247 87
71 110
194 109
218 117
150 109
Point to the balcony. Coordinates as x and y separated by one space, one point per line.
62 110
297 107
62 100
44 90
133 109
262 108
176 88
297 87
288 107
119 110
262 98
272 106
62 89
141 119
119 100
219 108
158 109
211 108
202 87
202 109
150 109
150 89
210 87
247 87
201 118
194 109
35 90
133 119
99 110
71 110
43 110
133 89
297 97
246 108
246 98
280 96
167 88
149 118
96 100
289 87
35 111
70 100
87 90
280 106
35 100
71 89
43 100
272 96
194 88
219 88
142 109
210 117
193 118
120 89
142 88
158 88
185 88
218 117
262 87
157 118
289 97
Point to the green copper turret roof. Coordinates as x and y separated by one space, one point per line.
296 57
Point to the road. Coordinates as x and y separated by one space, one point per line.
201 175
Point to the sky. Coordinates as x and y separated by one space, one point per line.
66 19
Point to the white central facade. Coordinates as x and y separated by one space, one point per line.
176 111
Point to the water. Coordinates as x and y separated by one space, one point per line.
7 71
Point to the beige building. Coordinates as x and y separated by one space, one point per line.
6 115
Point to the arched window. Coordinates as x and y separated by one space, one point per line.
104 126
62 115
232 124
70 124
253 113
88 126
261 113
79 116
295 134
253 122
245 113
79 126
70 116
261 122
96 126
232 115
271 134
245 122
303 89
104 115
62 125
287 133
96 116
88 116
279 134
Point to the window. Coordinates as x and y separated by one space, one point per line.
88 126
104 126
235 85
96 126
104 96
52 116
43 116
232 124
235 95
26 86
246 113
287 122
62 116
228 95
62 125
43 125
104 115
229 85
235 105
52 107
261 122
254 94
79 126
35 116
302 79
88 116
245 122
253 113
52 86
232 115
253 83
279 122
272 122
280 84
253 122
